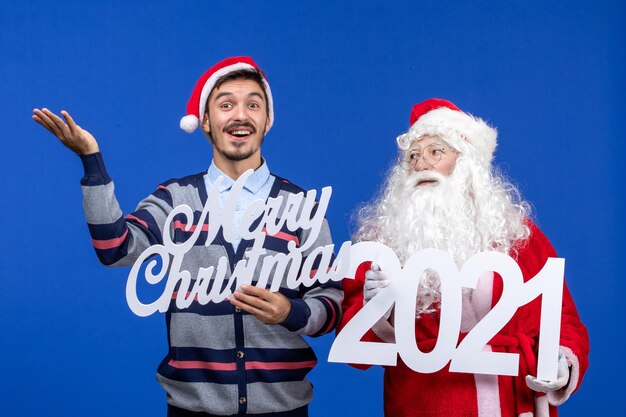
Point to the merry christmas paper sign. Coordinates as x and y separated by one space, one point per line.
300 212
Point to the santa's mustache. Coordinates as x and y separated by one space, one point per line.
418 178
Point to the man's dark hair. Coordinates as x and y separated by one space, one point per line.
241 74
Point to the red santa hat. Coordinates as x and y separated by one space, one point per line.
204 86
437 117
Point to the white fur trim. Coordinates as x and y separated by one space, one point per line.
559 397
487 393
270 104
542 408
384 330
189 123
210 83
453 127
477 302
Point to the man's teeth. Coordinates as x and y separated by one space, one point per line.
240 133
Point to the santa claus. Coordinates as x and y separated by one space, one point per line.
444 193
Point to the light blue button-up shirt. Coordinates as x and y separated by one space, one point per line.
258 186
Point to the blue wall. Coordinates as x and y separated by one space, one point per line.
344 75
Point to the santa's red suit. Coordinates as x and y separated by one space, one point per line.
446 394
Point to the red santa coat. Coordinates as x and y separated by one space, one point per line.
445 394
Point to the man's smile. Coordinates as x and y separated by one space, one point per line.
240 131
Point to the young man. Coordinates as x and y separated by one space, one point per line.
244 355
445 194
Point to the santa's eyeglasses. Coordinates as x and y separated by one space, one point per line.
431 155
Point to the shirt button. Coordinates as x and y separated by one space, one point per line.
242 400
237 309
239 354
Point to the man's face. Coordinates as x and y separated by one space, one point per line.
236 120
431 154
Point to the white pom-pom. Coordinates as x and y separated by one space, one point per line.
189 123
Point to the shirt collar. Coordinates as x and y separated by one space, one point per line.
253 184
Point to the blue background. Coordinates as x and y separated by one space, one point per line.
548 75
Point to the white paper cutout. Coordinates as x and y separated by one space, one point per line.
469 356
207 283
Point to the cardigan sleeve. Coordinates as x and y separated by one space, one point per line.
318 309
117 239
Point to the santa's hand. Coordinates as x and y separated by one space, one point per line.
375 280
69 133
562 376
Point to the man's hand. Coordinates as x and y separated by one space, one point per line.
562 377
70 134
268 307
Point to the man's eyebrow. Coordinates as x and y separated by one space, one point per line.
222 94
255 94
228 93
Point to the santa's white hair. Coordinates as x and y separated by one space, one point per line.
475 209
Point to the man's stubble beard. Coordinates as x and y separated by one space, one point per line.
236 155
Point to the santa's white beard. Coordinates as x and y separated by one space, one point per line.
465 213
439 215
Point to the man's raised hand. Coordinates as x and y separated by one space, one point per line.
69 133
